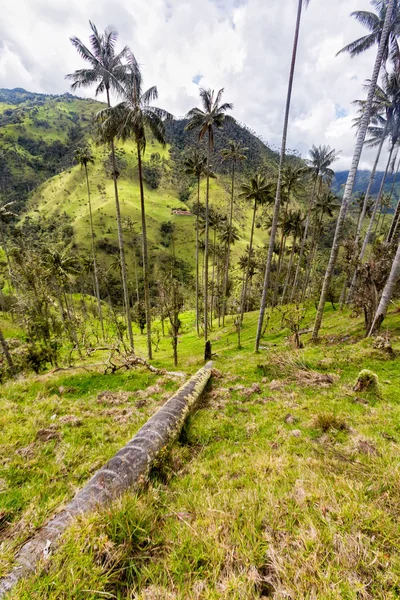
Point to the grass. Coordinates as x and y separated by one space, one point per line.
55 432
285 484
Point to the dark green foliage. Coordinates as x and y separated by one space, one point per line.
166 230
153 171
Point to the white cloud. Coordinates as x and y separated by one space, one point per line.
244 46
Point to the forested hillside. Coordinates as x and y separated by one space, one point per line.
362 180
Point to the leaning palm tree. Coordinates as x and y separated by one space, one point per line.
259 192
375 23
321 158
131 119
235 154
389 94
212 115
387 294
381 104
106 70
84 157
354 166
195 164
278 186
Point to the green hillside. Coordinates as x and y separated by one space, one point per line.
38 137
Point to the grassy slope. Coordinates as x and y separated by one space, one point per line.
67 192
256 500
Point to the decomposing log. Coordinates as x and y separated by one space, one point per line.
124 471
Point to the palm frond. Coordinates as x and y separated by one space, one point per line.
150 95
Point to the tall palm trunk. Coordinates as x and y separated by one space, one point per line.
213 280
285 287
228 249
387 293
397 211
368 192
281 252
353 170
304 239
95 274
316 236
395 223
121 240
145 256
206 240
279 184
370 227
246 278
197 258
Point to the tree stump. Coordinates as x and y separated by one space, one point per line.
207 351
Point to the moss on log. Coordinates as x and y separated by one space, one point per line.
125 470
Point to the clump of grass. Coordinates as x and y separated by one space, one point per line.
367 381
328 421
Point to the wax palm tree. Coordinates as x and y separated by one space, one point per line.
106 70
387 293
131 119
293 180
326 205
388 95
320 161
234 153
379 106
195 164
294 227
84 157
374 22
259 192
216 221
391 5
211 116
300 5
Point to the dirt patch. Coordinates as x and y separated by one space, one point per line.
315 379
114 398
276 385
27 451
216 374
46 435
71 420
366 447
119 415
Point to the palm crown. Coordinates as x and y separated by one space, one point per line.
234 152
84 156
212 115
321 158
258 190
374 22
134 115
106 65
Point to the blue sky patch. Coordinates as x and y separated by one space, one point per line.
197 78
340 112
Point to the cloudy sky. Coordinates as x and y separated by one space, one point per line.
241 45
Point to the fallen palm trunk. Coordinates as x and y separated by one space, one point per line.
122 472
